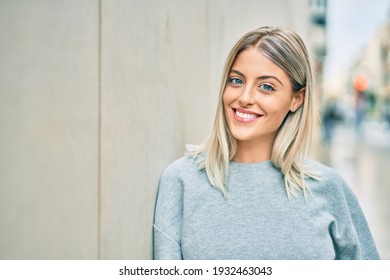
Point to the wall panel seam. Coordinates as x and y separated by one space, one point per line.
99 136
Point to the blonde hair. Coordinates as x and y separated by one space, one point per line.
291 147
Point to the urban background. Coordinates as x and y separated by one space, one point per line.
97 97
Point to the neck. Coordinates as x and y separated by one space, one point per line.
253 151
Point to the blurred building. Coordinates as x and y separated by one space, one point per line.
317 35
371 71
318 49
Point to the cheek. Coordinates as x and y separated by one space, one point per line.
276 106
279 111
276 113
225 103
226 99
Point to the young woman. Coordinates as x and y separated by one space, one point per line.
249 192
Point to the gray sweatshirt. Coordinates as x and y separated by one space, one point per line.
256 220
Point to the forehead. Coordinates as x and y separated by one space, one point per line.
251 62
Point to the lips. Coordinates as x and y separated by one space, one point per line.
245 116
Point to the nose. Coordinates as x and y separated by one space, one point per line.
247 97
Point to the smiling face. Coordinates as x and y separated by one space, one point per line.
257 97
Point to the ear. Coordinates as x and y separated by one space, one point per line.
298 99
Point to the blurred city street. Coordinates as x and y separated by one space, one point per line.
362 157
356 107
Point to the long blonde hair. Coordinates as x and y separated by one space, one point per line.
291 147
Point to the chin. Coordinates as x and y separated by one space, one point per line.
243 137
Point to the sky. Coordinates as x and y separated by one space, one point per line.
350 25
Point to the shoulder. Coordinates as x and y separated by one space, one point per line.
180 165
180 169
333 193
327 172
174 178
330 183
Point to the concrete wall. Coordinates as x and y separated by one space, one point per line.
96 98
49 129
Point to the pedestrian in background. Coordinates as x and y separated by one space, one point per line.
250 192
331 116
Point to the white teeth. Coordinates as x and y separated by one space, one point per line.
245 115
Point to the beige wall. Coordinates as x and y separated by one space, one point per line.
48 126
96 98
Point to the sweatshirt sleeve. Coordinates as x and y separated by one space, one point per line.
168 216
357 243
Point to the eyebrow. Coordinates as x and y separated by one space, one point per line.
264 77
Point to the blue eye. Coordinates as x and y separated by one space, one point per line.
235 81
267 87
